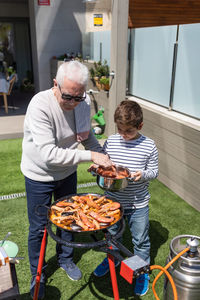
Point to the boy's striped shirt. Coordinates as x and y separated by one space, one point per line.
139 154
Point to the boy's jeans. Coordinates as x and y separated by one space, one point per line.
138 221
40 193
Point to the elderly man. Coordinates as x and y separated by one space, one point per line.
57 120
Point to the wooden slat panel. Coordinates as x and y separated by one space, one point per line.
180 128
177 171
182 192
179 148
148 13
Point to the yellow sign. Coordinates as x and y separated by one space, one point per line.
98 19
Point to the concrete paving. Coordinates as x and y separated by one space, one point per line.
11 124
11 127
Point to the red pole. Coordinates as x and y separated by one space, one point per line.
40 264
113 276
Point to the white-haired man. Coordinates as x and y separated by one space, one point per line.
57 120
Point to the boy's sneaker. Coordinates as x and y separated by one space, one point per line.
72 271
103 268
142 285
41 293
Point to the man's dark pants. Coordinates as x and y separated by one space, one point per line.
40 193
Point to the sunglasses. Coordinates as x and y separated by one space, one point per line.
68 97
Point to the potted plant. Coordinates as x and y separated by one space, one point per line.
98 72
105 83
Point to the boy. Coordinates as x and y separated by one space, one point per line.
137 152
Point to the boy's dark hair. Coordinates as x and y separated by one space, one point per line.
128 112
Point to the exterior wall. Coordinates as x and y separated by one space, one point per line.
100 7
178 140
55 30
11 9
96 38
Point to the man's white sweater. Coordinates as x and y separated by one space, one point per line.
49 149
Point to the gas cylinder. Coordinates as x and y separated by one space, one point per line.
186 270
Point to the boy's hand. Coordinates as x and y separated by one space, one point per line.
137 175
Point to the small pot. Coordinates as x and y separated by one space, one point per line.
113 184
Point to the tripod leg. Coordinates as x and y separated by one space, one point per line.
113 276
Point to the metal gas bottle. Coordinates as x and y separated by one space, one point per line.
186 270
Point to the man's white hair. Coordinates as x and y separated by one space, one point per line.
72 70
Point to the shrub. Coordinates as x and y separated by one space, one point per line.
100 69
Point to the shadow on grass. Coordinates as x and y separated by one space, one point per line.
52 266
52 263
158 236
101 287
50 290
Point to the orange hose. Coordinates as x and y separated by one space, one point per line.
170 279
163 271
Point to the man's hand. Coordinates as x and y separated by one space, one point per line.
92 168
101 159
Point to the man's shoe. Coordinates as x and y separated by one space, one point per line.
103 268
142 285
41 293
72 271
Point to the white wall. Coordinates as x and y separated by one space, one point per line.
55 30
100 7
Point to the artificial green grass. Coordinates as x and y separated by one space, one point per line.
11 178
83 175
170 216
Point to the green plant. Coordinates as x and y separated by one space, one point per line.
92 73
100 69
104 80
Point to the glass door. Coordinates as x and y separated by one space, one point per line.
15 50
7 53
